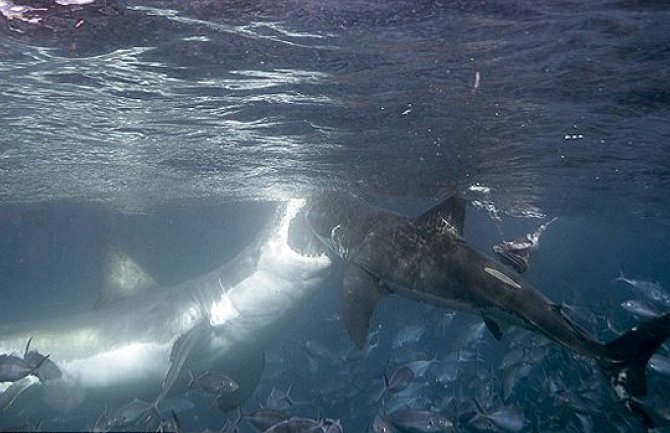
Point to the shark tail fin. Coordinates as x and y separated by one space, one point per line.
628 355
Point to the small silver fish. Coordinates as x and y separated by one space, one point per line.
421 366
304 425
14 368
331 426
132 412
175 425
230 427
317 350
516 253
381 424
279 399
639 308
660 364
399 379
263 419
410 334
103 424
651 290
506 419
44 368
419 421
213 382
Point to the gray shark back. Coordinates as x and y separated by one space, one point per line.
427 259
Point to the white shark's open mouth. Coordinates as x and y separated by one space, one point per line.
298 234
291 264
292 251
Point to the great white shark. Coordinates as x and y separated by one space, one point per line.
426 258
143 346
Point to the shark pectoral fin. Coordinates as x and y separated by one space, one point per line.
494 327
362 291
447 216
181 349
123 278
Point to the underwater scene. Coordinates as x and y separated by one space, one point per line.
321 216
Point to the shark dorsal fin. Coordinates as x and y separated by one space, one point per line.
362 291
447 216
123 278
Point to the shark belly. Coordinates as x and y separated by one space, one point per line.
105 351
429 298
133 348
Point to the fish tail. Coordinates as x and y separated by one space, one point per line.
176 424
36 368
479 407
240 415
626 358
191 379
622 276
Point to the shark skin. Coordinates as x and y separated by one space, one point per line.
427 259
140 347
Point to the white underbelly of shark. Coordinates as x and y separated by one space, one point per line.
131 343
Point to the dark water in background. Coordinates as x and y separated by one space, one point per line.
167 128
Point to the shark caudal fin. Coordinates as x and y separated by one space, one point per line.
629 354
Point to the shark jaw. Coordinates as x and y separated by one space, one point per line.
290 265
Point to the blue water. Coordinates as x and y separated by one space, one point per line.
170 128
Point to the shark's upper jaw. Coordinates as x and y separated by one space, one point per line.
297 233
292 250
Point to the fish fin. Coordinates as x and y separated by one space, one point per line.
25 352
622 276
628 355
40 364
175 422
362 291
479 407
287 395
240 415
638 408
494 327
123 278
448 214
386 381
514 253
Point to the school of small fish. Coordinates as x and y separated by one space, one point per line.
441 372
